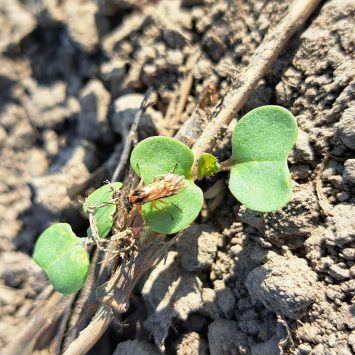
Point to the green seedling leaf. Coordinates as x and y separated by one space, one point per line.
152 159
100 201
261 142
177 212
266 133
157 156
261 186
207 165
62 256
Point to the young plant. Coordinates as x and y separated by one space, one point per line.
169 198
62 255
261 142
155 157
207 165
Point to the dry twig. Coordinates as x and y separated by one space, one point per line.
260 63
132 136
46 315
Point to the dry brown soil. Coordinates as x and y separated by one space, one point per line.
72 75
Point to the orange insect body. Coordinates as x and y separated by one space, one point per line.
167 185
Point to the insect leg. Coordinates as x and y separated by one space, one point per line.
175 166
162 201
95 231
158 177
154 205
141 176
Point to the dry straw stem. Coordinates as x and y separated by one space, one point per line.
264 57
42 319
178 102
132 136
118 290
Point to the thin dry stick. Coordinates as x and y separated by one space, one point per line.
56 341
85 292
260 63
44 317
264 57
123 281
186 85
132 135
179 99
90 335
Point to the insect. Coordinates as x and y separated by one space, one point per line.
167 185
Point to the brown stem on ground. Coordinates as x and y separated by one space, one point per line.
115 295
132 136
45 316
178 101
260 63
84 295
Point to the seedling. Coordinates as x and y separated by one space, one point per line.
261 142
154 158
207 166
168 198
62 255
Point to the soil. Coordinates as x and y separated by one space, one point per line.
72 75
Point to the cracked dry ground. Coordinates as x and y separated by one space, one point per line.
72 75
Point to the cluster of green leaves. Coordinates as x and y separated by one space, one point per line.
259 179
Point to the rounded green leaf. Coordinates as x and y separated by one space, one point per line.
261 186
177 212
99 201
156 156
261 142
62 256
207 165
266 133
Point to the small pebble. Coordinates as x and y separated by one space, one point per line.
339 273
343 196
304 348
332 340
349 171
